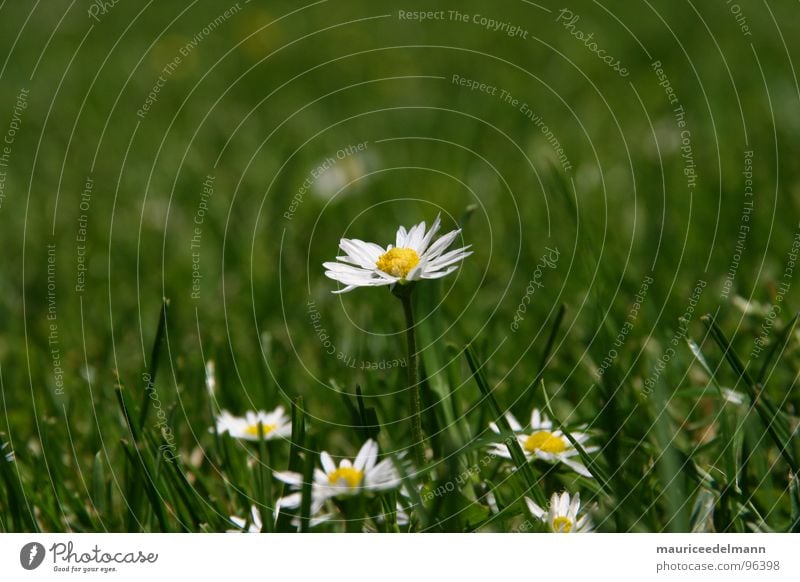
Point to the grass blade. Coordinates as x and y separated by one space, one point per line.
781 341
730 438
548 350
308 481
514 449
154 357
769 413
284 522
591 463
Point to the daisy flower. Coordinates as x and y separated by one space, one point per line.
362 475
275 424
255 523
562 515
542 442
414 256
8 456
211 378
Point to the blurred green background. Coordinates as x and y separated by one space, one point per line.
265 93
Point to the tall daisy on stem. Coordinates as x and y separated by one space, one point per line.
414 256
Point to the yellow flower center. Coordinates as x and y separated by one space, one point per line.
398 262
349 475
545 441
562 525
252 429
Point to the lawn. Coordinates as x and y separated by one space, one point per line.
174 175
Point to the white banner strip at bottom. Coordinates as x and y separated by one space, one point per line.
464 557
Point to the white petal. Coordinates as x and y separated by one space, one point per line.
579 468
415 236
289 477
345 289
499 451
290 501
400 239
364 254
535 510
438 274
367 455
575 504
415 274
345 269
382 476
284 430
255 514
238 521
321 477
327 462
426 241
441 244
356 276
584 524
563 506
448 259
554 501
341 270
513 422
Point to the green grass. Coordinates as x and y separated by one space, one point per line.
127 443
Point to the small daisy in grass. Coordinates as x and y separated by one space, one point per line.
364 474
251 525
275 424
562 515
414 256
542 442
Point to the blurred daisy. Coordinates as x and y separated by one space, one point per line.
8 455
733 396
275 424
251 525
542 442
345 173
562 515
751 306
347 478
401 515
211 378
414 256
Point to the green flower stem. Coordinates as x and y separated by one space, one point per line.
355 511
404 292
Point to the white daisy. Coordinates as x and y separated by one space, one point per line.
211 378
8 456
347 478
733 396
562 515
253 524
542 442
401 515
275 424
414 256
751 306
